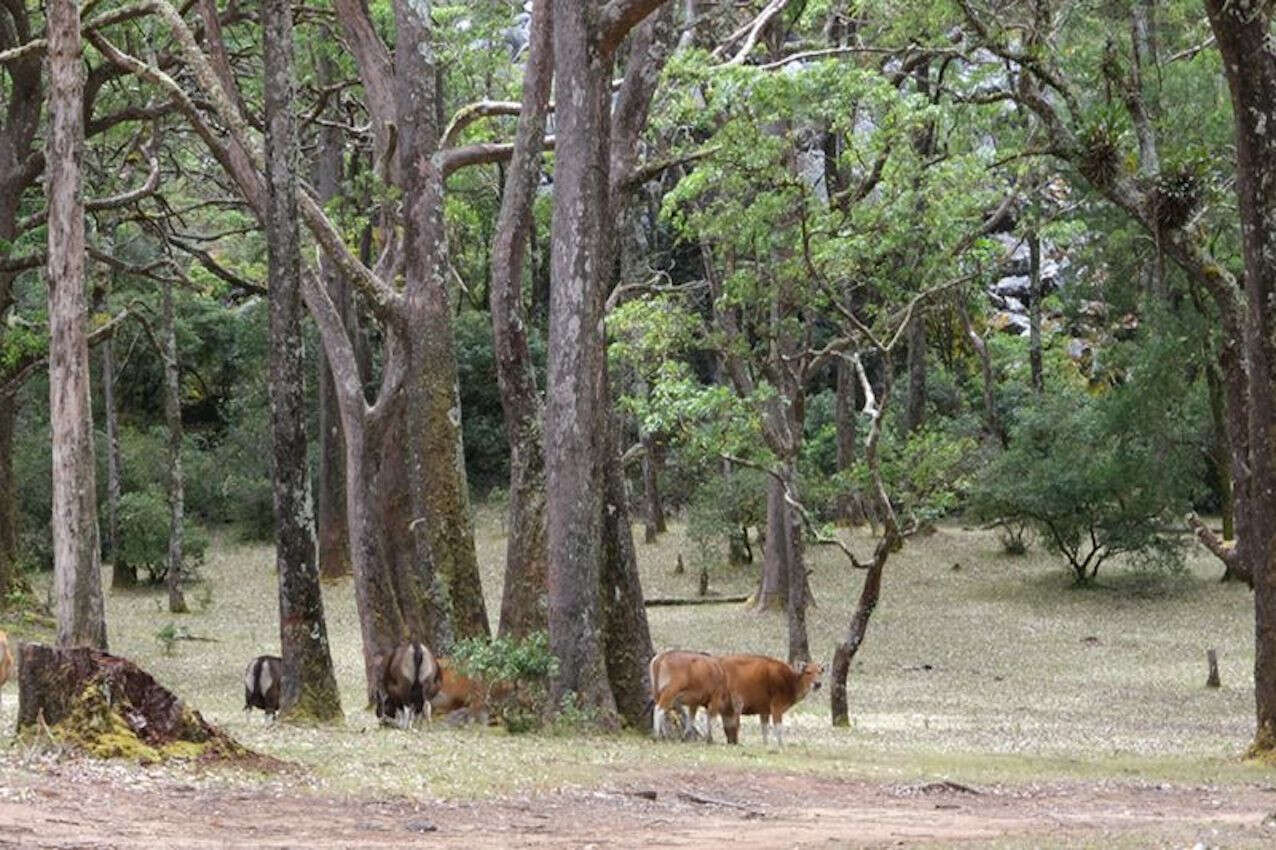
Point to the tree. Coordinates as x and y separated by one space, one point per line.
77 565
523 601
309 687
583 491
173 422
1243 32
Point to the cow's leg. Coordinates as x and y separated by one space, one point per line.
708 727
429 712
658 717
777 720
766 727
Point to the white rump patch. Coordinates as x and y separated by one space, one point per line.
267 677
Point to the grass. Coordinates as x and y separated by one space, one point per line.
996 672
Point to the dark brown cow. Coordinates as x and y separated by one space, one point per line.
262 680
691 680
768 687
410 677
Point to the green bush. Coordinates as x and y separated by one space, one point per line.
721 512
514 675
143 543
1091 485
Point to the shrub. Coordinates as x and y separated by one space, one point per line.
723 509
143 543
524 665
1091 485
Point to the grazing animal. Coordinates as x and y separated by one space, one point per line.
691 680
410 677
768 687
6 660
461 697
262 681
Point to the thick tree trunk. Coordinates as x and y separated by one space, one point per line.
436 452
523 600
574 414
309 687
76 557
176 486
1243 33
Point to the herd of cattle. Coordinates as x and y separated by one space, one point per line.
412 683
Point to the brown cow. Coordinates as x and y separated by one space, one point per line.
691 680
461 693
768 687
410 677
6 660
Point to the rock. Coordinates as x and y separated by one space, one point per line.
1011 323
420 826
1014 286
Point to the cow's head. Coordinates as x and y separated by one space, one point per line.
810 676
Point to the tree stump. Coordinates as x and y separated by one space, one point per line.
704 581
108 707
1211 658
679 568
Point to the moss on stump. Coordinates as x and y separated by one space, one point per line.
108 707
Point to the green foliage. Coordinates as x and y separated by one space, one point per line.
513 674
144 529
721 511
927 473
1098 477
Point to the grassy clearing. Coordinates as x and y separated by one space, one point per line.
996 672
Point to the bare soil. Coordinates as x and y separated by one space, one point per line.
73 804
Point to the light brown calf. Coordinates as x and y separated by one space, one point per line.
768 687
692 680
458 691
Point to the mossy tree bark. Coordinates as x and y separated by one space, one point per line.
309 687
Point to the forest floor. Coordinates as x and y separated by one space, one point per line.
992 704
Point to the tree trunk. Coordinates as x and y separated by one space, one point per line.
435 451
891 540
655 512
574 416
915 414
76 557
523 599
799 590
1243 33
627 636
176 489
333 530
122 575
115 707
850 508
8 499
773 590
309 687
1034 311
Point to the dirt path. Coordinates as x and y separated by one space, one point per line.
71 805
